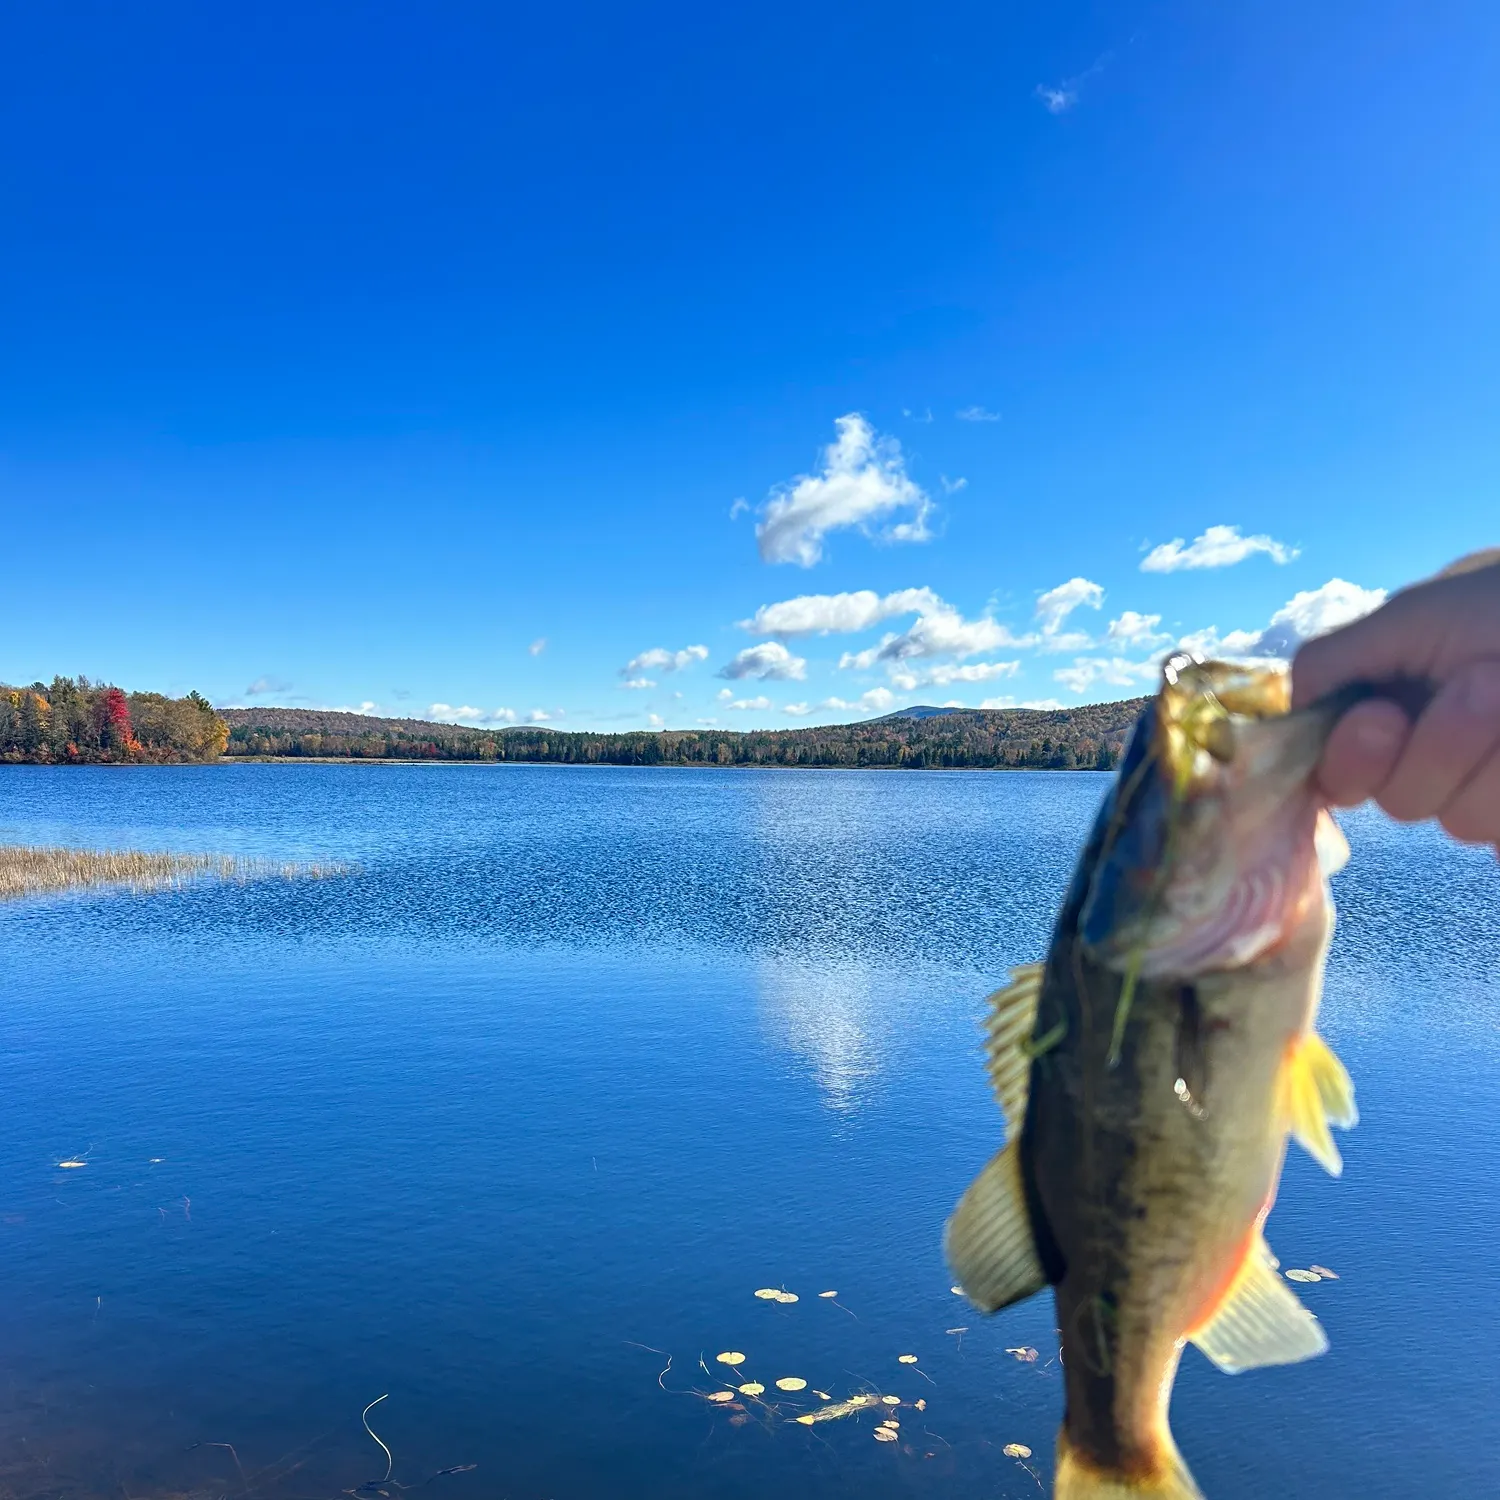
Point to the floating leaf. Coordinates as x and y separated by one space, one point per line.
957 1291
806 1421
768 1293
721 1395
786 1296
906 1359
1324 1272
72 1164
920 1404
892 1423
1295 1275
1016 1450
752 1388
858 1400
831 1412
822 1395
731 1357
791 1383
891 1400
964 1329
1026 1354
884 1435
828 1294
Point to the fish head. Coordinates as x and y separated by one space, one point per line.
1212 850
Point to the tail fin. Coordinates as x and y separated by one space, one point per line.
1078 1479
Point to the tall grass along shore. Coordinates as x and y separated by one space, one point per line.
27 870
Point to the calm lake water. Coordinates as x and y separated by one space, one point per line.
570 1063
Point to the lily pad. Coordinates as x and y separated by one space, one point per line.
1016 1450
885 1435
906 1359
752 1388
1295 1275
768 1293
1324 1272
828 1294
786 1296
731 1357
891 1400
721 1395
791 1383
1026 1354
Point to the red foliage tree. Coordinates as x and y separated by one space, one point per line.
115 729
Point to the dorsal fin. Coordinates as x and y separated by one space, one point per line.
1011 1021
1260 1321
1317 1093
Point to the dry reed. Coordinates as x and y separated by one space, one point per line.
26 870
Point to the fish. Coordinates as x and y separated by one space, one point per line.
1152 1068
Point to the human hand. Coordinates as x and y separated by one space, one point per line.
1447 764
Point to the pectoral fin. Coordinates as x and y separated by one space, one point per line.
989 1241
1260 1321
1318 1094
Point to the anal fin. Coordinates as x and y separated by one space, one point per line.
989 1241
1319 1093
1260 1321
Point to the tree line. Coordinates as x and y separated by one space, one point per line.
1090 737
72 721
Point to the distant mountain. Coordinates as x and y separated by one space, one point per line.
1089 737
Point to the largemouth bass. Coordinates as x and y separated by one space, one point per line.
1152 1069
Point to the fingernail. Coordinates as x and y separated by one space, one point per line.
1482 692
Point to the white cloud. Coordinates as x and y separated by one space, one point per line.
925 415
445 713
940 632
770 661
1316 612
742 705
976 414
655 721
267 685
876 700
940 676
1027 703
823 614
707 723
1312 612
1057 101
1218 547
796 708
738 507
540 716
659 659
1135 632
537 646
863 480
1109 671
952 486
1053 607
639 683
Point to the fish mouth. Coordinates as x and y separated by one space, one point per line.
1209 860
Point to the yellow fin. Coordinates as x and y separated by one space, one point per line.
1260 1322
1078 1479
1331 845
989 1241
1318 1094
1011 1022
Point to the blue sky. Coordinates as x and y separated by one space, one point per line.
666 363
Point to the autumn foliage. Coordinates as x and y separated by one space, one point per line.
72 721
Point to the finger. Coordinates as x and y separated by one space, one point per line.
1473 813
1456 734
1362 751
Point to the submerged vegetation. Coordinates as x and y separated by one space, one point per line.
74 721
1089 737
26 870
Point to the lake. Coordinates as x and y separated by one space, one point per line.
507 1124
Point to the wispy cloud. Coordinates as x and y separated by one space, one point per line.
537 646
1059 98
770 661
1108 671
925 415
1054 607
946 673
952 486
743 705
876 700
938 632
263 685
639 684
828 614
659 659
445 713
976 414
738 507
1218 547
655 721
863 482
1136 632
